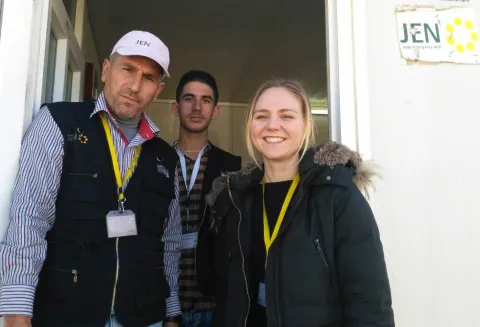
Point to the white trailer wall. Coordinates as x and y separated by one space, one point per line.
425 133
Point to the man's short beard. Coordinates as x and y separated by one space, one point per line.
195 130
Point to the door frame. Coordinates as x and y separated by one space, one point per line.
51 16
1 14
25 25
348 92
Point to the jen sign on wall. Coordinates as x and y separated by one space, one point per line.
438 35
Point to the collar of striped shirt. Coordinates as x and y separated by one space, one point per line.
147 128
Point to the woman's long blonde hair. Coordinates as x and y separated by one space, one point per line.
296 88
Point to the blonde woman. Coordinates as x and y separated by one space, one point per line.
296 242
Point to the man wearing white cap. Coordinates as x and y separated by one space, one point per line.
95 227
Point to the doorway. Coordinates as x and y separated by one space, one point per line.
240 43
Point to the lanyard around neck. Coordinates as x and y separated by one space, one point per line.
116 167
196 167
266 229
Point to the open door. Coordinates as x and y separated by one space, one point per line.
240 43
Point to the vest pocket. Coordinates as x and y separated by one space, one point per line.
79 209
73 272
80 186
92 175
61 288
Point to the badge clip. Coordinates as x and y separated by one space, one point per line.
121 205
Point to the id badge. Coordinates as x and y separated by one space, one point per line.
261 294
121 223
189 241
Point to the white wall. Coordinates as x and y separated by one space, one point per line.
16 32
426 136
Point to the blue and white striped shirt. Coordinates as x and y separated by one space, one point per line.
32 213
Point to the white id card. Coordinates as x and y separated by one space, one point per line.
121 223
261 294
189 241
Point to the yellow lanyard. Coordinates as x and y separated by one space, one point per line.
266 230
116 168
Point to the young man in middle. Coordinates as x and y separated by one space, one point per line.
200 162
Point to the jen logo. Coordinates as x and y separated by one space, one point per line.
140 42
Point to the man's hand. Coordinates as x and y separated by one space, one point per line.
166 324
17 321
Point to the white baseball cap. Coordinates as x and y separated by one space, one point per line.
145 44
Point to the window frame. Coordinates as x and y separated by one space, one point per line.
69 53
51 16
50 75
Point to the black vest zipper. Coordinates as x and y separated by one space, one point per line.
74 272
93 175
112 309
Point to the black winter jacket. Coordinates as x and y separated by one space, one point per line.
326 267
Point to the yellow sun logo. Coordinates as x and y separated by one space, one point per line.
461 35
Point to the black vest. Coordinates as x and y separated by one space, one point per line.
77 282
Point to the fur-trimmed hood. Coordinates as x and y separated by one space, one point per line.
332 154
329 156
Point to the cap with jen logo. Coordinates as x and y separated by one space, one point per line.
145 44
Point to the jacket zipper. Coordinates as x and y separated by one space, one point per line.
277 285
324 259
320 252
93 175
199 228
241 251
74 272
116 277
277 303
